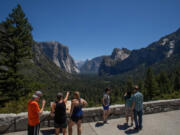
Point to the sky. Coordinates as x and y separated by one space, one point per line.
92 28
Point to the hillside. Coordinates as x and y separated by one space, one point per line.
158 52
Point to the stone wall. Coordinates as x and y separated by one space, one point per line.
18 122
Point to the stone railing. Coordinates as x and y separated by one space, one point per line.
18 122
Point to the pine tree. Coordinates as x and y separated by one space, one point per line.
150 85
177 80
142 89
164 83
129 84
15 47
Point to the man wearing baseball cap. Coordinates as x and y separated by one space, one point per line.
34 113
39 93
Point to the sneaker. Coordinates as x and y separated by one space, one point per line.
140 128
135 128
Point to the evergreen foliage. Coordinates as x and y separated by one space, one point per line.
150 85
24 69
15 48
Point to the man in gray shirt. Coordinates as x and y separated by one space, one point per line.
106 104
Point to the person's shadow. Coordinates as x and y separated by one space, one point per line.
48 132
123 127
131 131
99 124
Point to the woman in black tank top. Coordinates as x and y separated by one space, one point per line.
58 108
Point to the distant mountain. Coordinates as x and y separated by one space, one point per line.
79 63
117 56
59 54
91 66
155 53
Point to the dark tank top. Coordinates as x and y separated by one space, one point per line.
60 113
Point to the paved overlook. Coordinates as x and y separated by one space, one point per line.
165 123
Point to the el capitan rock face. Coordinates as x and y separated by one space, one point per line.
165 48
59 54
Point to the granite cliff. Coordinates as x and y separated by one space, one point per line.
59 54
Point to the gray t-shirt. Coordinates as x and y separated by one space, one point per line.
106 99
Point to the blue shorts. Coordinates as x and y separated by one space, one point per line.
106 107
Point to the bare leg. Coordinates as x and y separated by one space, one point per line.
107 113
127 118
70 125
57 130
64 131
132 118
104 115
79 127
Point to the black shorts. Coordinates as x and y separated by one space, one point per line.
33 130
60 125
76 118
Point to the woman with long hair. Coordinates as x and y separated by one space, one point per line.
76 113
58 108
128 105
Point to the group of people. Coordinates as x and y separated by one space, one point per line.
58 111
133 108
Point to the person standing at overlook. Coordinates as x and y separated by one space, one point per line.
137 107
128 105
34 113
59 109
106 104
76 113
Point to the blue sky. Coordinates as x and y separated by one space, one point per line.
92 28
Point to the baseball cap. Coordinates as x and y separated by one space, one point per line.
38 93
59 95
35 96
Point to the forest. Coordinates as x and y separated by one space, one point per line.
18 82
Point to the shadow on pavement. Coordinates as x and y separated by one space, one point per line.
131 131
123 127
99 124
48 132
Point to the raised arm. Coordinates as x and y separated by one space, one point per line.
67 96
42 108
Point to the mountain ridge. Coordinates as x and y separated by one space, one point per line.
153 53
